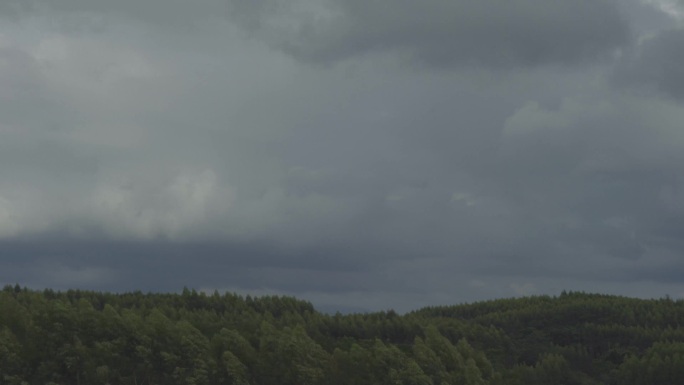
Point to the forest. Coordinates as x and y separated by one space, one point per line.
90 338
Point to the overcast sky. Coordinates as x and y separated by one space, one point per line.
363 155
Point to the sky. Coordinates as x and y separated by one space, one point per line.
361 155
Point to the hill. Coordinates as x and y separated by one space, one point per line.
84 337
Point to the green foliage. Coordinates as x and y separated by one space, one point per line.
661 364
81 337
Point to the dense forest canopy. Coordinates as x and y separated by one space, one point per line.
85 337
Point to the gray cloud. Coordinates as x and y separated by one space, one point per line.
151 151
93 16
443 34
655 64
434 33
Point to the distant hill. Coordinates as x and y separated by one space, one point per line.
84 337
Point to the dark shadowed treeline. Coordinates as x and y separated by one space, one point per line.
90 338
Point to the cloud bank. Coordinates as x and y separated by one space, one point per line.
363 155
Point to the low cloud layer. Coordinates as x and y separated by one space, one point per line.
363 155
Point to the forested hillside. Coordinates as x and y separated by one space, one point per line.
81 337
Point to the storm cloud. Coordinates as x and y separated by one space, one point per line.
359 154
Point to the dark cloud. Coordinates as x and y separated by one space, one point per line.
153 266
444 34
656 64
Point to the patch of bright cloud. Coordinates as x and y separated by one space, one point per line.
672 8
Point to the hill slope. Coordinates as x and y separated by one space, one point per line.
81 337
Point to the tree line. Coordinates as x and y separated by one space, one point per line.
90 338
